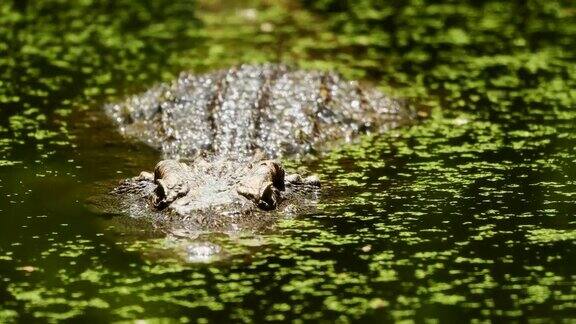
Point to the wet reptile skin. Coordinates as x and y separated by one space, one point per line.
270 108
226 124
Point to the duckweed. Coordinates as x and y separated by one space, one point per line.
468 214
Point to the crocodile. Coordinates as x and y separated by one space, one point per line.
222 135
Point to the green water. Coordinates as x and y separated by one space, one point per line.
469 215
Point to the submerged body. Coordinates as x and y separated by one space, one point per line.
227 124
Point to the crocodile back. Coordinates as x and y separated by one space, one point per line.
274 109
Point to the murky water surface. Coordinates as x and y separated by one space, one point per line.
470 214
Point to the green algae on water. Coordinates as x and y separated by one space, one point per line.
468 214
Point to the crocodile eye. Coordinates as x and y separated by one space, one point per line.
269 198
160 193
161 189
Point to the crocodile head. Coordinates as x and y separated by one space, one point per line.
220 186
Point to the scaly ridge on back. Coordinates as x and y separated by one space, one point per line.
271 108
